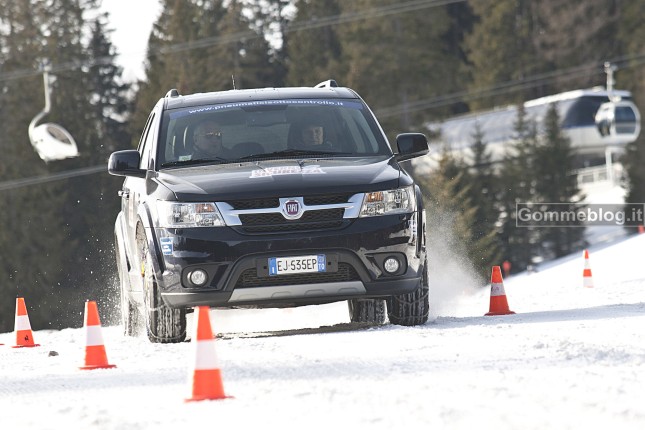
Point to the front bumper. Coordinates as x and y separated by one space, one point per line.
237 263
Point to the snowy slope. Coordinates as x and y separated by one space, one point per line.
570 358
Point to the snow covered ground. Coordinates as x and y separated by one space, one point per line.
570 358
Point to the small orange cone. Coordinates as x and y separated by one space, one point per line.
95 356
24 336
498 302
206 378
587 281
641 229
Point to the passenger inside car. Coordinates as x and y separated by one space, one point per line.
308 134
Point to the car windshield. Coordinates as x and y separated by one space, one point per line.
269 129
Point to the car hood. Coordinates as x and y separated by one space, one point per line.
274 178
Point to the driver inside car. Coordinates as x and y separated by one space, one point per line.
207 141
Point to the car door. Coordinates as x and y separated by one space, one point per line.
134 188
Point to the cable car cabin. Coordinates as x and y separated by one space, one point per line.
578 110
52 142
618 122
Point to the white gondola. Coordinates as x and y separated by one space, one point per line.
51 141
578 110
599 122
618 121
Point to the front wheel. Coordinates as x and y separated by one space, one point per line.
163 323
411 308
366 311
130 317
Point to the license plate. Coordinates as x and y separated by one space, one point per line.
301 264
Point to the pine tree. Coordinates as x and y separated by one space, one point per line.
501 49
462 20
631 76
246 59
589 27
32 228
273 24
483 194
451 217
109 101
94 202
55 230
313 53
199 47
517 181
634 161
393 66
170 56
557 188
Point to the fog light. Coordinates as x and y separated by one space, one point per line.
391 265
198 277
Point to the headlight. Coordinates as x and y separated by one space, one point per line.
388 202
182 215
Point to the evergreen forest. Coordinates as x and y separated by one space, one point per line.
413 61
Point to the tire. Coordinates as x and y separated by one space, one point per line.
163 323
412 308
130 316
366 311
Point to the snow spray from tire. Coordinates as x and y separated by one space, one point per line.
453 280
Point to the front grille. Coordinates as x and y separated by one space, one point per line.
300 227
274 202
268 220
249 278
326 199
255 203
262 223
307 217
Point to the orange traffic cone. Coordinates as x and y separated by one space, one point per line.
206 378
641 229
95 356
498 302
587 281
24 336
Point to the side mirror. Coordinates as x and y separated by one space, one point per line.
126 163
411 145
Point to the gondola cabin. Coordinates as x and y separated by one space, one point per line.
592 121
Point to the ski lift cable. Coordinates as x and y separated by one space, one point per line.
409 6
626 61
35 180
630 61
326 21
434 102
501 88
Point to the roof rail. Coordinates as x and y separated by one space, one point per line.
327 84
172 93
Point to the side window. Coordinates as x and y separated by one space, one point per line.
146 144
145 132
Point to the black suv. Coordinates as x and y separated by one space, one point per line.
305 203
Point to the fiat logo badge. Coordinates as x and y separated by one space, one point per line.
291 208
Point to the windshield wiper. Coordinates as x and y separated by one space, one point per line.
193 161
298 152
